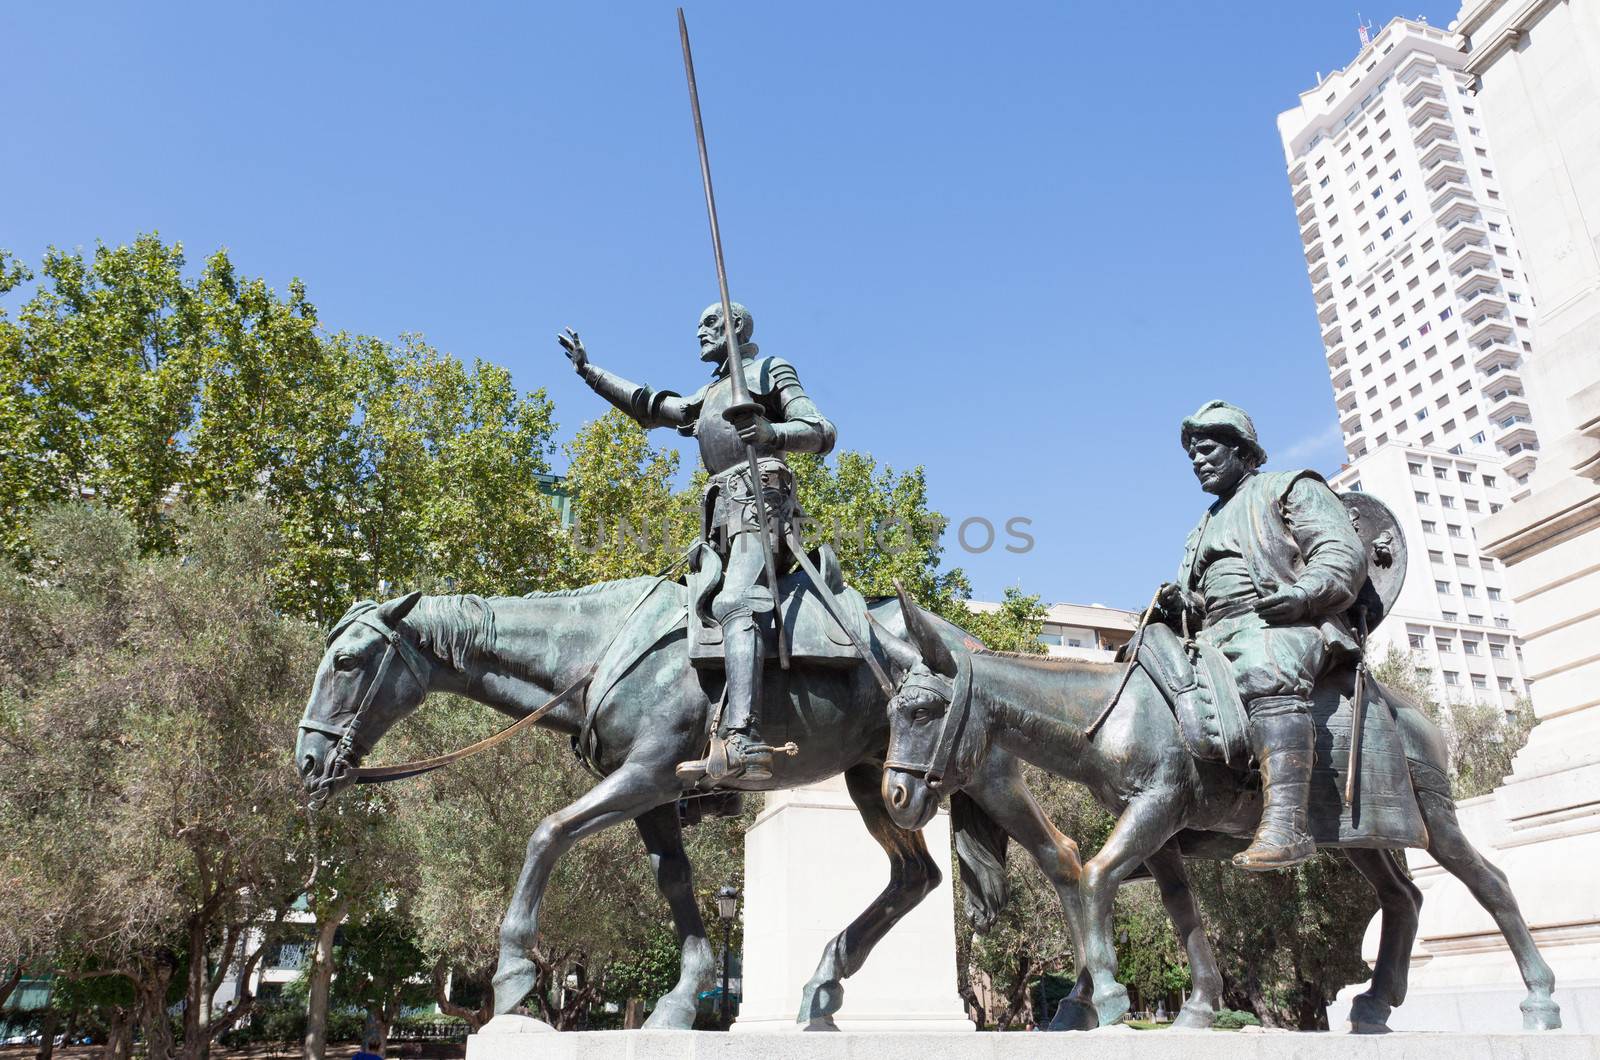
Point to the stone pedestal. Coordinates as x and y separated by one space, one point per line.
810 869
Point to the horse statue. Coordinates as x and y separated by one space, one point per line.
610 663
953 711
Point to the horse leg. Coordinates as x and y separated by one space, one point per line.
913 875
1449 847
622 796
663 838
1148 821
1007 800
1200 1011
1400 902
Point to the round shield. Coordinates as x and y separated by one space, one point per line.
1386 555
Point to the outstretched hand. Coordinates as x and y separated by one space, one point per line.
573 347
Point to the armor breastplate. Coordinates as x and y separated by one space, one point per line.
720 447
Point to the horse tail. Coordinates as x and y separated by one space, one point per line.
981 856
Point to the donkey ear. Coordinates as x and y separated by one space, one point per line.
396 609
902 654
935 653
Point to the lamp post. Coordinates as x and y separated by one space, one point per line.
727 909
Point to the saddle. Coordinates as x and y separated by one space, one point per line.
812 634
1197 684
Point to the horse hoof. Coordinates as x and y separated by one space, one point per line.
1358 1027
1541 1015
1111 1006
1195 1018
1368 1015
511 985
671 1014
823 1024
819 1002
511 1023
1074 1015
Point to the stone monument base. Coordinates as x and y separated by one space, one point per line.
1116 1043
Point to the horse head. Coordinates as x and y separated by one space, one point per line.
358 694
930 745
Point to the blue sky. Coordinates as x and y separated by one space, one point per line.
1015 244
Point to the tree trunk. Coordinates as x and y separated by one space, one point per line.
47 1035
9 983
379 1021
319 977
197 995
474 1018
119 1035
150 991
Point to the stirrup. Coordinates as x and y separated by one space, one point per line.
750 762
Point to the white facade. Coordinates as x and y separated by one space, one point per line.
1080 631
1414 266
1454 613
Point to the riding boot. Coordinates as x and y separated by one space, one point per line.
1284 743
737 752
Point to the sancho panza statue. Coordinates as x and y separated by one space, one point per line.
788 421
1267 576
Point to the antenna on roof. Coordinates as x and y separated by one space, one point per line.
1363 27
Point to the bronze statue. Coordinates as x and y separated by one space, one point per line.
783 419
1163 738
1266 577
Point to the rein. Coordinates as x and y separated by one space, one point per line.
943 770
398 645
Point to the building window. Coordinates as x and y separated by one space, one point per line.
1405 219
1496 651
1489 480
1418 641
1416 469
1470 647
1422 498
1441 587
1451 677
1464 476
1454 530
1447 502
1429 526
1494 594
1440 472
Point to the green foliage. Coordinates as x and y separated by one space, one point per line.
1482 740
1229 1019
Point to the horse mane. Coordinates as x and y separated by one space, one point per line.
1044 662
457 629
583 590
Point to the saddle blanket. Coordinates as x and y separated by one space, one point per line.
809 628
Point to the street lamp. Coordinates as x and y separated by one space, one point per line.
727 909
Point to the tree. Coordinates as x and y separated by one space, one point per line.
144 773
380 969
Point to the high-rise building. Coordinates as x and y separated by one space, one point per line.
1424 313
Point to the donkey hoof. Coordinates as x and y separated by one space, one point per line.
1368 1015
1542 1014
1111 1005
512 983
822 1023
671 1014
1074 1015
818 1002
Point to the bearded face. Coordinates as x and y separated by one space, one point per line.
713 336
1219 465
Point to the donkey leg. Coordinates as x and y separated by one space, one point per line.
913 875
1449 847
1146 824
1401 903
1005 797
663 838
1200 1011
620 797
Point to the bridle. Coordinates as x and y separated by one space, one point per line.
350 747
944 771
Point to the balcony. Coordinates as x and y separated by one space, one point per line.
1522 461
1433 130
1328 312
1441 150
1471 256
1507 402
1319 270
1341 380
1337 359
1297 172
1350 422
1323 291
1346 402
1498 375
1427 107
1314 253
1460 233
1484 303
1424 89
1310 231
1470 281
1331 336
1443 171
1487 329
1496 356
1454 204
1515 433
1420 65
1302 195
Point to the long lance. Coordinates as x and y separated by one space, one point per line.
742 405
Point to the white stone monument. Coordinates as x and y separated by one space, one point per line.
810 869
